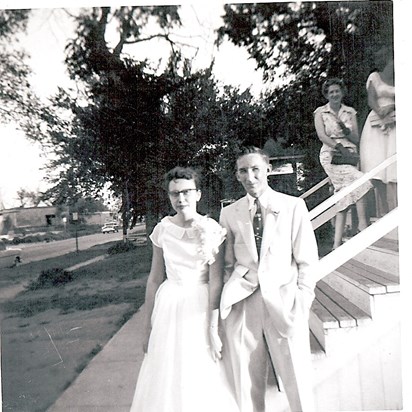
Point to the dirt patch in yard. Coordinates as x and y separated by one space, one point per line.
50 334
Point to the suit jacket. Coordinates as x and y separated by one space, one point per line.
288 259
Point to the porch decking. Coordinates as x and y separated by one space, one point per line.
355 333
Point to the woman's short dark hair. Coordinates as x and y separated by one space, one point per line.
331 82
179 172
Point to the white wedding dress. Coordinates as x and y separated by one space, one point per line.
178 373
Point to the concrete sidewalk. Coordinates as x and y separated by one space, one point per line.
107 384
108 381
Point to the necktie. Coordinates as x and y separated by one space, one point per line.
258 225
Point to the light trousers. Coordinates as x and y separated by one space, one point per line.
250 339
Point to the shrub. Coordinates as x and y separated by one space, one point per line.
121 247
51 278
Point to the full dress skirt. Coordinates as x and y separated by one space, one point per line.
376 145
178 373
342 176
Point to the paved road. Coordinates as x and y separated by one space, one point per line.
39 251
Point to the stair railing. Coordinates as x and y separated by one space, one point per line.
315 188
356 244
327 209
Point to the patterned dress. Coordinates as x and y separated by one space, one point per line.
340 175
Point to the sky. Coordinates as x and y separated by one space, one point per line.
48 32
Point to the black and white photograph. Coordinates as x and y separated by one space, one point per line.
199 206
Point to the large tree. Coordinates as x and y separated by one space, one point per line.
128 122
113 129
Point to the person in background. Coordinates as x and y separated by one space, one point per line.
378 139
181 371
337 128
271 258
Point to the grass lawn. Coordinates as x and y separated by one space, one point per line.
50 333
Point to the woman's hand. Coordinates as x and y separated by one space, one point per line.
215 343
385 110
345 130
343 150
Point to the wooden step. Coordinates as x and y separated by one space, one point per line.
387 244
315 347
360 283
330 312
372 277
383 254
383 259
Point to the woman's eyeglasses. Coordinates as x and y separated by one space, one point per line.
176 193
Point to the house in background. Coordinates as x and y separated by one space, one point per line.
45 218
29 219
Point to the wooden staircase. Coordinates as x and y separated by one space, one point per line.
355 335
355 320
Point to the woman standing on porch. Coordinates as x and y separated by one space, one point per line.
378 141
337 128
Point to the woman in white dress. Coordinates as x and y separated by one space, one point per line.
378 139
181 370
337 128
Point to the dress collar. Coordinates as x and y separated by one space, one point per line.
343 108
177 231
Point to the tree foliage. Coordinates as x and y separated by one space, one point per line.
298 45
112 128
128 123
28 197
19 103
301 44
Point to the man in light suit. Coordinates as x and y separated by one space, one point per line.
266 300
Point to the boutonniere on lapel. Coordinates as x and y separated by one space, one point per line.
273 210
210 237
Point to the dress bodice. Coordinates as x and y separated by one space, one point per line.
385 92
346 114
181 254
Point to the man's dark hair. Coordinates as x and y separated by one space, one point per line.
245 150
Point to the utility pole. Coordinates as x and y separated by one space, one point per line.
75 218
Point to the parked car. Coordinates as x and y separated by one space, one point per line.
10 257
110 228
